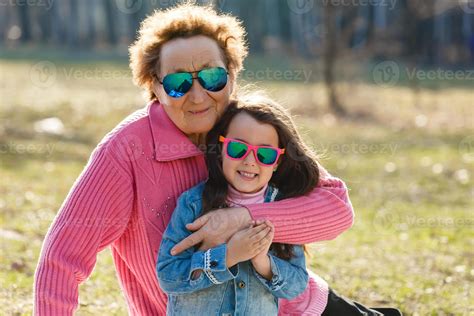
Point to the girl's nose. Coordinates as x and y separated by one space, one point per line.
197 92
250 159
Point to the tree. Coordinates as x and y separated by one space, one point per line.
110 21
24 22
329 58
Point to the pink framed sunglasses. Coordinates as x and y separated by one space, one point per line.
237 150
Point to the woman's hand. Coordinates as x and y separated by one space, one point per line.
214 228
247 243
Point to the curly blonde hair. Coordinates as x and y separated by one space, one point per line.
184 20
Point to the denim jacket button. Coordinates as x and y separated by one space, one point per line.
213 264
241 284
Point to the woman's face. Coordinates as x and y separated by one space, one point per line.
197 111
247 175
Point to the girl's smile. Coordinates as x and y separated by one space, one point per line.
247 175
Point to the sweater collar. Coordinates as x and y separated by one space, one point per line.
235 197
170 143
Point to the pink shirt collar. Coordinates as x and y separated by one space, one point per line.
169 141
235 197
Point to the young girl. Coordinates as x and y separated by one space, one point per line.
255 155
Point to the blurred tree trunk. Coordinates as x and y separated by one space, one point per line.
90 34
380 16
24 20
134 20
5 16
272 18
370 25
329 58
57 25
73 24
109 7
256 23
296 21
44 22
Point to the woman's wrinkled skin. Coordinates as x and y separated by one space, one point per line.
190 55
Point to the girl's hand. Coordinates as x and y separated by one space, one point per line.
247 243
214 228
261 258
261 262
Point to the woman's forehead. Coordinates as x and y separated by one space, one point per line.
190 54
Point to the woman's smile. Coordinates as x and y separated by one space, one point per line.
200 112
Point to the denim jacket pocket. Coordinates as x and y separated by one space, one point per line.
203 302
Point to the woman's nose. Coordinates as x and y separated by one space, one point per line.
197 92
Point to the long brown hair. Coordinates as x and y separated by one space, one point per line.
297 173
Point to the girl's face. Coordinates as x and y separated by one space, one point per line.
197 111
247 175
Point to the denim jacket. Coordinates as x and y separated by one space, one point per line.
238 290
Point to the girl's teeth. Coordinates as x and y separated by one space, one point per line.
250 175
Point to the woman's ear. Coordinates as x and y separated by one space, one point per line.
156 87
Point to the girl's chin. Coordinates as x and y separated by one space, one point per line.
246 188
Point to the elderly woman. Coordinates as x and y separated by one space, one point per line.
187 60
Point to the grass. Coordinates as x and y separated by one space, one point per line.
406 156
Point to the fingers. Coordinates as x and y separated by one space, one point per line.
258 222
262 221
256 229
188 242
268 223
198 223
261 234
263 244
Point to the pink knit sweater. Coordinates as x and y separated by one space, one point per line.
124 199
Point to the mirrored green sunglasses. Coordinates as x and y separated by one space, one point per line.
179 83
